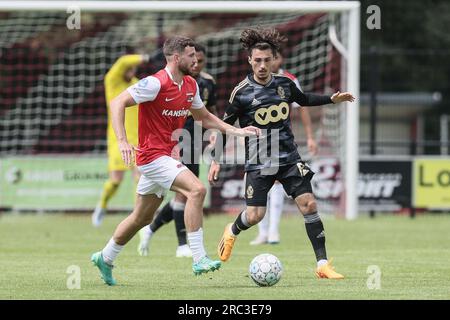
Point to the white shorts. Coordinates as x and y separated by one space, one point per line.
157 176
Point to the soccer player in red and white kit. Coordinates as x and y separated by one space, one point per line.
165 100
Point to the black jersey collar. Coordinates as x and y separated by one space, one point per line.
251 78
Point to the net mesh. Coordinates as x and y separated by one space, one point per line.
51 78
52 97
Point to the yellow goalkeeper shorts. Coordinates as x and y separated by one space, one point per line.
115 162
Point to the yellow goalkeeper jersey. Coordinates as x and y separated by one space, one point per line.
115 84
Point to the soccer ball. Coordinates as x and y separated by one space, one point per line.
265 270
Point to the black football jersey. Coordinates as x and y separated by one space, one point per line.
267 107
207 86
207 91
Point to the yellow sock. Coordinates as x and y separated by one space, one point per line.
109 189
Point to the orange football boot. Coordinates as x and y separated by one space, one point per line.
226 243
326 271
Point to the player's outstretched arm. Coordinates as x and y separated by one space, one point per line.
311 99
122 64
210 121
117 107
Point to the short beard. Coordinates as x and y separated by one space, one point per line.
185 70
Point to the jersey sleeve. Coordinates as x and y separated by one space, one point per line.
297 84
232 110
145 90
307 99
197 103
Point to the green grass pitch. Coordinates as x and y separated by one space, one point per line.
413 256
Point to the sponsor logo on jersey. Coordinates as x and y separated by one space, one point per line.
175 113
274 113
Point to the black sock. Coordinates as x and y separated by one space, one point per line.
164 216
180 227
316 234
240 224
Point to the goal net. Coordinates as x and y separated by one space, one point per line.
52 65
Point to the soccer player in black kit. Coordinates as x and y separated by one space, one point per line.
174 210
262 99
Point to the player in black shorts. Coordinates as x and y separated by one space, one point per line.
190 153
262 99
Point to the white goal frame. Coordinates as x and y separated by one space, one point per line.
351 53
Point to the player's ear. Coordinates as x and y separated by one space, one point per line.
176 58
249 60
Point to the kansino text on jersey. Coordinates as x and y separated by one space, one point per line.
175 113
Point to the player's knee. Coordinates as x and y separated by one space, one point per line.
116 177
254 216
116 181
306 203
198 192
310 206
142 216
143 219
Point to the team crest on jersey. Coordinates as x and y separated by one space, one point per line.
190 97
205 95
250 192
281 92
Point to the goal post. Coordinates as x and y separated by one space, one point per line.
317 56
177 6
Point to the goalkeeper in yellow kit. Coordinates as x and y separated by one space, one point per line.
121 75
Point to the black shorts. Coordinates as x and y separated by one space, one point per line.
192 158
295 178
194 167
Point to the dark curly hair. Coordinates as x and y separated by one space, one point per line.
262 39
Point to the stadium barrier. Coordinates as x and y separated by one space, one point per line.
432 183
385 185
64 183
60 183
